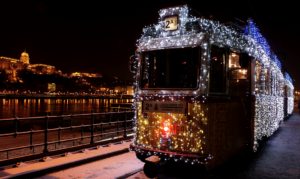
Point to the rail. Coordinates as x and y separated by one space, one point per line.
46 118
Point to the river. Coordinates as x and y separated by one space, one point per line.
38 107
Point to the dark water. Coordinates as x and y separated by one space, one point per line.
38 107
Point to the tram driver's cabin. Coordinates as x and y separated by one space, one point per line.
205 91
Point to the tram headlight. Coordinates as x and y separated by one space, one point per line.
166 129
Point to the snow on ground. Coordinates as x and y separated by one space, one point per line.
139 175
112 167
106 168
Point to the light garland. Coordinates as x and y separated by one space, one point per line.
289 93
268 92
189 137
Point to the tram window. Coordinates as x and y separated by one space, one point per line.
171 68
258 88
287 92
280 88
277 86
267 81
272 84
217 70
238 74
234 60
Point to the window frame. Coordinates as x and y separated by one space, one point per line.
230 69
142 61
226 78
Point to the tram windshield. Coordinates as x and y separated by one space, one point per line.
170 68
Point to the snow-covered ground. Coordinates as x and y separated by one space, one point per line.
112 167
139 175
105 168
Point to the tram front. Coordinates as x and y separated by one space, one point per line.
171 75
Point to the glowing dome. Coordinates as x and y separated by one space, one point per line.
24 57
24 54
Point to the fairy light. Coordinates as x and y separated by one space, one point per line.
289 91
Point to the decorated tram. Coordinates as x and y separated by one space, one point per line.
205 91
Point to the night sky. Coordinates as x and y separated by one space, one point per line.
100 36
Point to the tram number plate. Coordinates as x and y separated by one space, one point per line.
179 128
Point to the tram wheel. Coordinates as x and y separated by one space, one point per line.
141 157
151 169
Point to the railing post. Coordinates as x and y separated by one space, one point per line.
109 119
118 127
59 135
31 143
125 123
81 132
92 127
109 104
71 122
16 127
46 134
101 129
74 140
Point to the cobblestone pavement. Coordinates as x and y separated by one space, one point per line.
277 157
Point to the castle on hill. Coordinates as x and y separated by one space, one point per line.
9 67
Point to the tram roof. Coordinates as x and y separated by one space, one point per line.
183 41
156 37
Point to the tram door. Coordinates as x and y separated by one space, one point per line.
239 107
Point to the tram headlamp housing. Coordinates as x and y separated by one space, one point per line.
165 141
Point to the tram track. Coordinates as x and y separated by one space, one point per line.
122 165
41 166
130 174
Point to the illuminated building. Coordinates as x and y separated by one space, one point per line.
42 69
123 90
37 77
10 66
24 57
91 75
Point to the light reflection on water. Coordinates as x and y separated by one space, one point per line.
38 107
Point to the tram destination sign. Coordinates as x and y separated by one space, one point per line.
171 23
164 107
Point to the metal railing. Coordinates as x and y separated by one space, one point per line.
92 135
